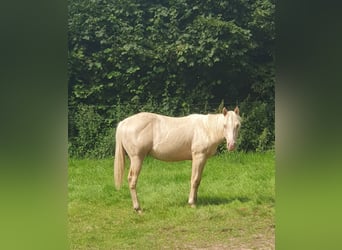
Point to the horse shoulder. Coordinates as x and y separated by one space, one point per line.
206 139
200 139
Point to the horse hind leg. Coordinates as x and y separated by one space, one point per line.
136 163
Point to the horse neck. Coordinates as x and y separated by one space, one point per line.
215 123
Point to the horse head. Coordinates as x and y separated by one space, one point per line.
231 124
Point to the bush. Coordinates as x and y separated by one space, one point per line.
257 130
90 135
92 129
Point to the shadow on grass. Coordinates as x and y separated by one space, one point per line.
212 200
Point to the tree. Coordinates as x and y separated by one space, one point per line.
173 57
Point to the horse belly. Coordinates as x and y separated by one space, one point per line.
171 152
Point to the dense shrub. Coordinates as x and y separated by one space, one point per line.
257 131
91 135
170 57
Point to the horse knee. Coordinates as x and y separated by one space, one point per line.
196 182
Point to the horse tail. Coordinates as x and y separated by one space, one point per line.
119 160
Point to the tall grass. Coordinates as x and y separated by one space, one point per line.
235 207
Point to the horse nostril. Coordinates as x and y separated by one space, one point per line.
230 146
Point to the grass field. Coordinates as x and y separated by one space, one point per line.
235 208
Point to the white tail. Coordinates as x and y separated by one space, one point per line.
119 160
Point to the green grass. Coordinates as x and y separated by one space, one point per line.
235 207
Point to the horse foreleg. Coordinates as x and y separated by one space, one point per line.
133 174
198 162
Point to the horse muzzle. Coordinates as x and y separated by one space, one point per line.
230 146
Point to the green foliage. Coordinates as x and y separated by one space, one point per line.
171 57
258 126
90 137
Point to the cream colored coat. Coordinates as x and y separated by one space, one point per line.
194 137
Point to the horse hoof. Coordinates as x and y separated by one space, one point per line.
192 205
138 210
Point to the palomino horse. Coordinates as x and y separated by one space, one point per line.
194 137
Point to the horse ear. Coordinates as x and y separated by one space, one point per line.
224 111
236 110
